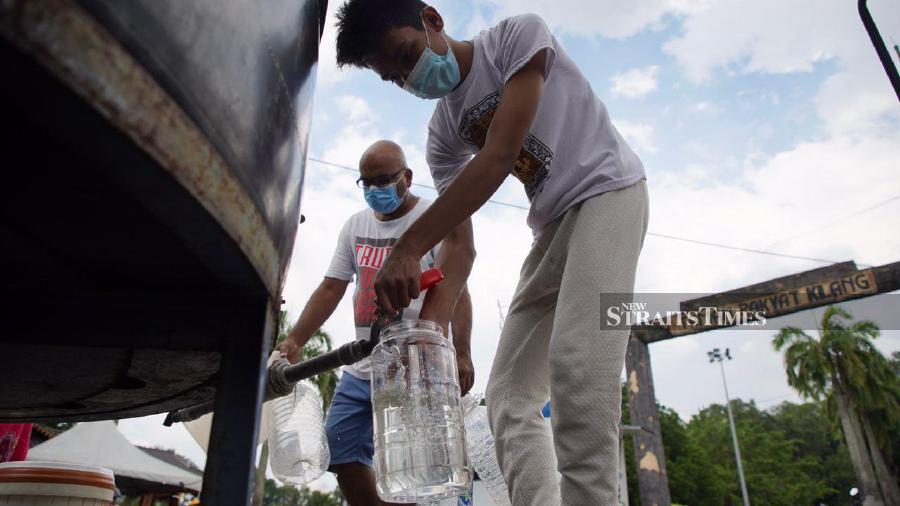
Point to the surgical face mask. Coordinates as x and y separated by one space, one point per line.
383 199
434 75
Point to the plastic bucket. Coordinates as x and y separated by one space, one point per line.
52 483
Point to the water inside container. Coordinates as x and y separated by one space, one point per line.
420 447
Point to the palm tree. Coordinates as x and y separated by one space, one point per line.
859 387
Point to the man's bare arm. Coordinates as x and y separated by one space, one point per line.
320 306
454 258
461 330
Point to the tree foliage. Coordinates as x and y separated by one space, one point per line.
894 432
844 356
284 495
776 472
791 455
859 387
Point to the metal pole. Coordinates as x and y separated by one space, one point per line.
734 438
880 49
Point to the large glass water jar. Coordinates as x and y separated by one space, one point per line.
420 443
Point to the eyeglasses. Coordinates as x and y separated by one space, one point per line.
379 181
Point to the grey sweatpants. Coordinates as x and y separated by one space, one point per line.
552 345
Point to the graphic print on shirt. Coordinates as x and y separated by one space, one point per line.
532 166
8 443
370 255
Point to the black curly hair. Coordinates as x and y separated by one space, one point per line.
362 23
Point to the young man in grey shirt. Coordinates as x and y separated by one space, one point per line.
511 101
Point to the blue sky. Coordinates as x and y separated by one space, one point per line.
760 122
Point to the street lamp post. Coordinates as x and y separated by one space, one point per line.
717 356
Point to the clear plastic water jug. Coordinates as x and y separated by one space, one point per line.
298 448
420 442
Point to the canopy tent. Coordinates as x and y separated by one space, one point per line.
101 444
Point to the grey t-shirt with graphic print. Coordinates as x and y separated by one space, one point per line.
572 151
363 245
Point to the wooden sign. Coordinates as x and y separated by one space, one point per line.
753 305
813 295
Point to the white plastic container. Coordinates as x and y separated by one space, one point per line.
420 448
482 452
53 483
298 447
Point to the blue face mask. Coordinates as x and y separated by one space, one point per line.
384 199
434 75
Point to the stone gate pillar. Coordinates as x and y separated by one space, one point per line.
650 459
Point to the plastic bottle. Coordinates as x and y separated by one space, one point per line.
420 446
298 448
482 454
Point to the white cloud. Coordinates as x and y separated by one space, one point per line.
477 22
358 131
763 36
860 100
356 110
704 106
635 82
770 206
638 135
769 203
586 18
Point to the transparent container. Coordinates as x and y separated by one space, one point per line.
463 500
482 453
420 442
298 448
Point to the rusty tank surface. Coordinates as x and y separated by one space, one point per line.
154 154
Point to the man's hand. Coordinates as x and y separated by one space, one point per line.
397 282
466 373
290 348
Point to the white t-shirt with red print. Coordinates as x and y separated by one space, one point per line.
364 244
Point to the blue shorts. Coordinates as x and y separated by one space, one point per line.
348 424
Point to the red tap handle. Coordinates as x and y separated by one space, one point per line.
430 278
